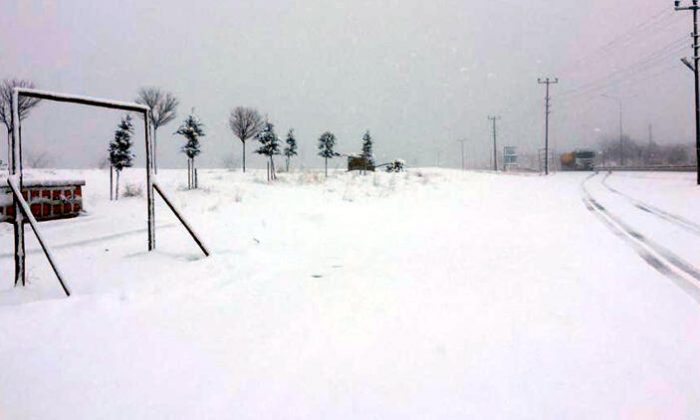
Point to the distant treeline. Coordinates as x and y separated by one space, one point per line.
634 152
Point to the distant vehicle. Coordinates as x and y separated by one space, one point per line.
578 160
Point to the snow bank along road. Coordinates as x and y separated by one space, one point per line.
429 294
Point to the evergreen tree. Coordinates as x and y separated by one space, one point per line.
367 153
269 145
291 149
120 155
326 143
192 129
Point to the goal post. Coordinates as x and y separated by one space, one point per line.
16 169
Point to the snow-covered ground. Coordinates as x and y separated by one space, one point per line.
428 294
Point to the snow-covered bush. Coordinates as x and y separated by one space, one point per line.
396 166
133 190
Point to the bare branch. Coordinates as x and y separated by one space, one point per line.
38 159
25 104
245 122
163 105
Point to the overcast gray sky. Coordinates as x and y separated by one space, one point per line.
418 74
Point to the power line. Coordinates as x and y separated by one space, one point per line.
656 20
649 62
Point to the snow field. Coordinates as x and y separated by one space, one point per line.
429 294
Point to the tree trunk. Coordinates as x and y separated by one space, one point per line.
243 156
326 160
111 183
194 183
116 191
287 163
273 175
189 178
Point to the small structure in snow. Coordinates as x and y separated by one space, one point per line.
47 199
360 163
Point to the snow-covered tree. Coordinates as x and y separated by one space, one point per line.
291 149
367 143
326 143
269 145
120 154
191 129
163 110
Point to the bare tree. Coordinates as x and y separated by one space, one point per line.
38 159
25 105
163 110
245 123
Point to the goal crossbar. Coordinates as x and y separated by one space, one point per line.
17 170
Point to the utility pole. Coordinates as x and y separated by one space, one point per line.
619 102
547 111
461 142
694 68
495 153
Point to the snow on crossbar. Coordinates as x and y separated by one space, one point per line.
80 99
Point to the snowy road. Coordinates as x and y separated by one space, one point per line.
430 294
665 240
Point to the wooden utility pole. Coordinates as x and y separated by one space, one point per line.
694 67
495 147
461 142
547 111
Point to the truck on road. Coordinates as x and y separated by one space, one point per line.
578 160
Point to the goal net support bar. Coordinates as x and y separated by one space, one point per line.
182 220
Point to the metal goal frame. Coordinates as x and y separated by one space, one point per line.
16 172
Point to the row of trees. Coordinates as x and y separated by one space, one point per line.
121 155
245 123
645 153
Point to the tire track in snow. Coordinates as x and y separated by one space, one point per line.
679 221
91 240
683 274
